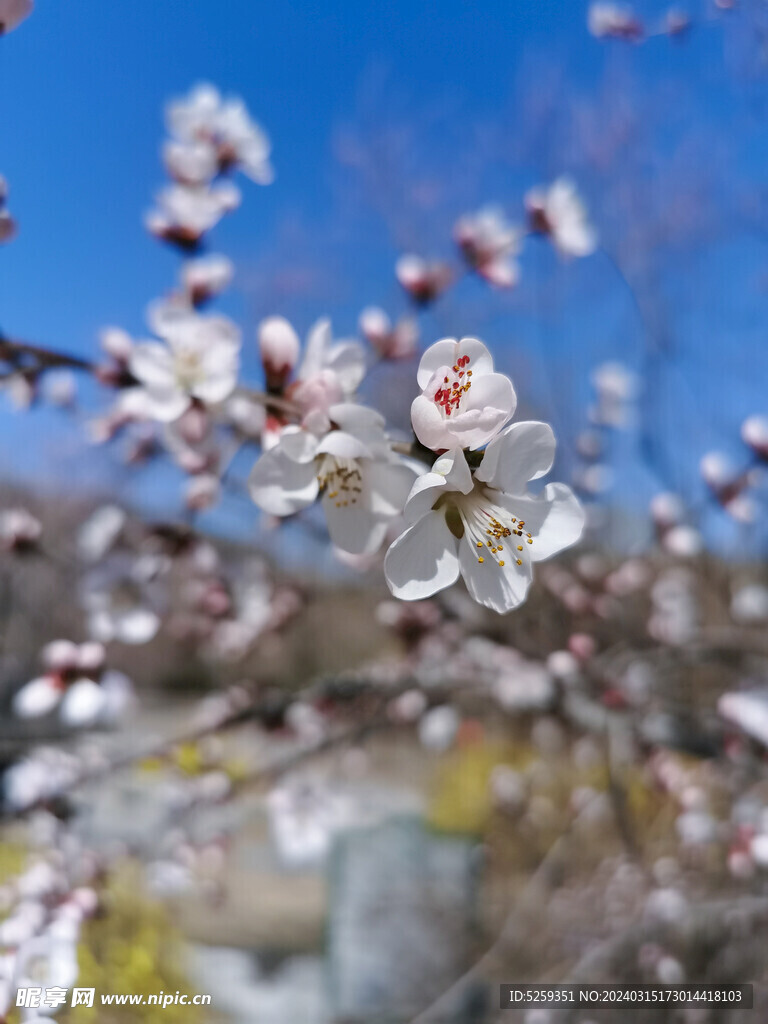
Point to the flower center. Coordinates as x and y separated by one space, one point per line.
454 386
188 367
494 532
340 480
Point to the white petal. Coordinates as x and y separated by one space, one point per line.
502 271
347 360
299 445
165 405
356 419
554 517
501 588
563 524
429 424
152 364
38 697
525 451
318 342
101 627
217 386
281 486
344 445
575 239
447 351
449 473
353 528
259 170
485 409
388 485
82 703
422 560
137 626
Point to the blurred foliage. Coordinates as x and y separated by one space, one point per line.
13 856
461 800
132 947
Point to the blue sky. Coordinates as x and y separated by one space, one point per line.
449 93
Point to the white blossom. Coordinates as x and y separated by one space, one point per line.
438 728
351 468
304 817
749 603
424 280
75 682
199 361
558 211
748 711
490 245
184 213
205 119
19 530
205 277
463 402
616 389
487 526
40 775
606 20
754 432
391 341
329 373
116 597
667 510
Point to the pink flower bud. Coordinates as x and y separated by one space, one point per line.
667 510
754 432
422 280
581 646
279 348
91 658
375 326
60 656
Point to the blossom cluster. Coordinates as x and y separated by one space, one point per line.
608 741
490 243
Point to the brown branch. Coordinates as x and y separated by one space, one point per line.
11 350
265 708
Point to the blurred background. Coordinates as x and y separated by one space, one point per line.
303 798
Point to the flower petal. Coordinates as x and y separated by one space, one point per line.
297 444
563 524
37 697
343 445
152 364
281 486
429 424
356 419
524 451
422 560
318 342
353 528
137 626
388 485
447 351
501 588
82 703
449 473
555 518
347 360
